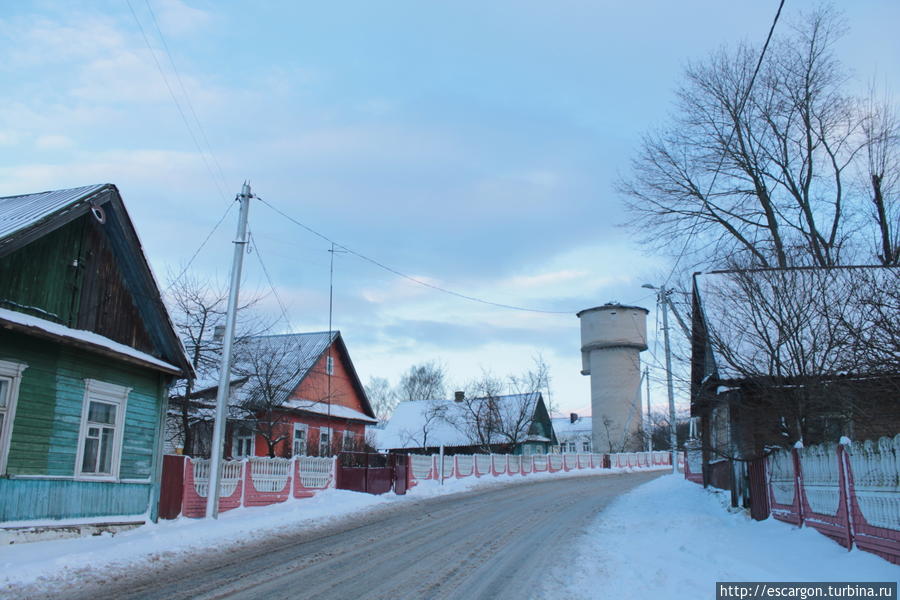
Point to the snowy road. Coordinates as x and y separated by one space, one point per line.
482 544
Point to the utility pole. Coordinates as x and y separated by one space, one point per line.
673 437
223 391
649 418
662 299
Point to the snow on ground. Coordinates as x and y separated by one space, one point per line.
670 538
46 563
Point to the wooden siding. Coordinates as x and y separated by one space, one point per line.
48 416
30 499
71 276
314 386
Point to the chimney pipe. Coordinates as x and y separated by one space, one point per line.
573 417
459 396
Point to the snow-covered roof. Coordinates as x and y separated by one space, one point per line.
16 320
280 363
431 423
300 351
19 212
564 426
322 408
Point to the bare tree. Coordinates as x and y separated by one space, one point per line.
272 368
882 135
197 307
434 416
762 175
382 397
800 341
422 382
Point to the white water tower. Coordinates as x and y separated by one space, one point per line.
612 338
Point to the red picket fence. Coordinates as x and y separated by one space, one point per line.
819 487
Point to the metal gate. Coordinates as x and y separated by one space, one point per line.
171 489
370 472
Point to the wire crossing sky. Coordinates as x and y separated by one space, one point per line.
465 151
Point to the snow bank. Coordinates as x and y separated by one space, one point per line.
670 538
51 562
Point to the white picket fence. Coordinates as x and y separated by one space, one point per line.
267 474
424 467
232 473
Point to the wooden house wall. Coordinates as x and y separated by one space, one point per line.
71 276
45 432
314 386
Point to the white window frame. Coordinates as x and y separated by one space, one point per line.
11 372
108 393
330 441
329 365
234 442
305 429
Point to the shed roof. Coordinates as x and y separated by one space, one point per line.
23 211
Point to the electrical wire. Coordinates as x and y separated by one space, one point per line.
177 103
740 109
409 277
202 244
269 279
187 97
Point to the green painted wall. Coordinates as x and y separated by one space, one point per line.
45 431
29 499
41 275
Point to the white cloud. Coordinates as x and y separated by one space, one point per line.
53 142
178 18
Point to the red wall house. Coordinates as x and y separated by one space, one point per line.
327 402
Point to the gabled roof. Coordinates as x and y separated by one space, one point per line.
563 426
407 425
297 354
26 218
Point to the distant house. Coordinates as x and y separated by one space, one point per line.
291 394
521 425
781 356
87 351
574 433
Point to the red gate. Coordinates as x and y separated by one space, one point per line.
171 489
368 472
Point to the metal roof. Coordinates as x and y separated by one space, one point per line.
19 212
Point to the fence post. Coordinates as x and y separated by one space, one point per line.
844 482
798 485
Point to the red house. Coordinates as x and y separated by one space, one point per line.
294 394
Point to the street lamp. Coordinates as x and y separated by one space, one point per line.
662 299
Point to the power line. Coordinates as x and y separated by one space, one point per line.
730 136
202 244
175 100
187 97
409 277
269 279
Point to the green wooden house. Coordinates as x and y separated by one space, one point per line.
87 353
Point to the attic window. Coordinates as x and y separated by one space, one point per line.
329 365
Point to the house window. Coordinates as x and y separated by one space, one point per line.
102 425
300 433
586 446
325 441
572 447
244 442
10 375
562 448
329 365
348 442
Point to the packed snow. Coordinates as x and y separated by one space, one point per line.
49 564
672 539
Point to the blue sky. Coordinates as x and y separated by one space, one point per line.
473 145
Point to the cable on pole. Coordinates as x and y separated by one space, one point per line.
269 279
202 244
740 109
409 277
